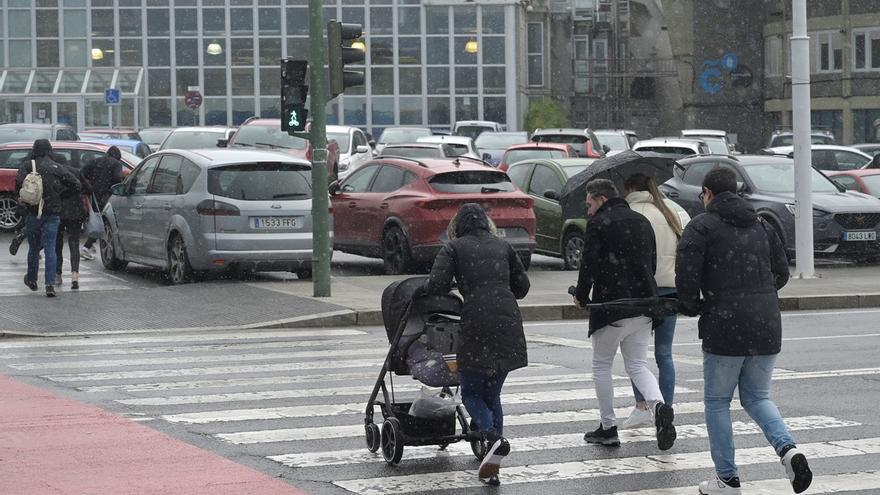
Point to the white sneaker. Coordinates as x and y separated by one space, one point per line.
716 486
637 418
86 253
797 469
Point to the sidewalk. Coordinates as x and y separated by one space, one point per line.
49 444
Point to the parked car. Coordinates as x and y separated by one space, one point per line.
673 146
354 147
398 209
845 223
534 150
196 138
422 150
785 137
473 128
491 145
397 135
828 157
188 211
459 145
716 140
543 179
77 154
617 140
110 133
584 141
267 134
16 132
872 149
153 136
133 146
866 180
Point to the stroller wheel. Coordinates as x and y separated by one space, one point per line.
372 437
478 445
392 441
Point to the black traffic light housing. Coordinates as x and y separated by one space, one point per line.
294 91
339 35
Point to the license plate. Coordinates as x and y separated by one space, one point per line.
860 236
500 232
267 223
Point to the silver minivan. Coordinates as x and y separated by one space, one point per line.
187 211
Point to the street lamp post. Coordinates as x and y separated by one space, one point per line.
803 170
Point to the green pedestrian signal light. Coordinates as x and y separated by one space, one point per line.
293 95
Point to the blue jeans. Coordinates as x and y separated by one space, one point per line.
663 336
721 375
42 233
481 395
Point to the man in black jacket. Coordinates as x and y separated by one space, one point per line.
618 262
42 227
738 263
101 174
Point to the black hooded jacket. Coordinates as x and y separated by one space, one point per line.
618 262
738 263
57 180
491 278
101 173
72 207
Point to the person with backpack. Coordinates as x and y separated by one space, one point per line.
101 174
39 186
73 213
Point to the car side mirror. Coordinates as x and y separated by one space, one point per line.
605 148
742 188
222 143
333 188
551 194
118 189
362 149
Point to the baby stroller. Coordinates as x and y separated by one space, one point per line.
428 323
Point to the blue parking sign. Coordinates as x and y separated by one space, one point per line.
112 96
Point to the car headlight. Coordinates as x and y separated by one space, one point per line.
816 212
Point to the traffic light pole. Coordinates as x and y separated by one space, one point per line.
322 248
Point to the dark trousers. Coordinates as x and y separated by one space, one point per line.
481 395
72 228
40 230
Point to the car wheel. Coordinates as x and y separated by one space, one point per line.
179 269
109 257
526 260
395 251
9 217
572 247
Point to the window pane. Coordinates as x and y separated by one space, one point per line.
437 19
20 53
270 108
495 109
270 21
19 24
159 82
127 79
99 80
437 50
381 51
44 82
214 21
875 53
129 22
242 21
270 51
158 52
298 22
461 56
270 82
380 21
438 80
242 109
409 20
493 20
465 80
130 52
186 51
382 81
410 80
383 111
465 20
535 35
75 24
242 51
355 110
860 51
438 111
71 81
186 78
102 23
493 50
47 53
215 83
75 53
536 70
185 22
466 108
47 23
410 50
215 111
494 80
823 56
219 58
157 22
106 46
410 111
243 82
356 15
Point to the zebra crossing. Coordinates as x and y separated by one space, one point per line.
295 399
92 277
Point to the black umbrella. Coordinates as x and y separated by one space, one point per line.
616 168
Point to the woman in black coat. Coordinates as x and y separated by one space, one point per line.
72 215
491 278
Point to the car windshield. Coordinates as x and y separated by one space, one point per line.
341 139
154 136
413 152
192 140
261 181
471 131
23 134
560 138
493 141
613 140
392 136
872 182
779 178
514 156
788 140
263 136
472 181
716 145
573 170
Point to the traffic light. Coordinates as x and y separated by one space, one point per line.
293 95
339 35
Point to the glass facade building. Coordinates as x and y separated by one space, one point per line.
427 63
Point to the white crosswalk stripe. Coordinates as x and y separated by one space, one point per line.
297 398
91 278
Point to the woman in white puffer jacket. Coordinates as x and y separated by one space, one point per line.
668 220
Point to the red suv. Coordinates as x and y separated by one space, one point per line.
77 153
584 141
398 209
529 151
266 133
